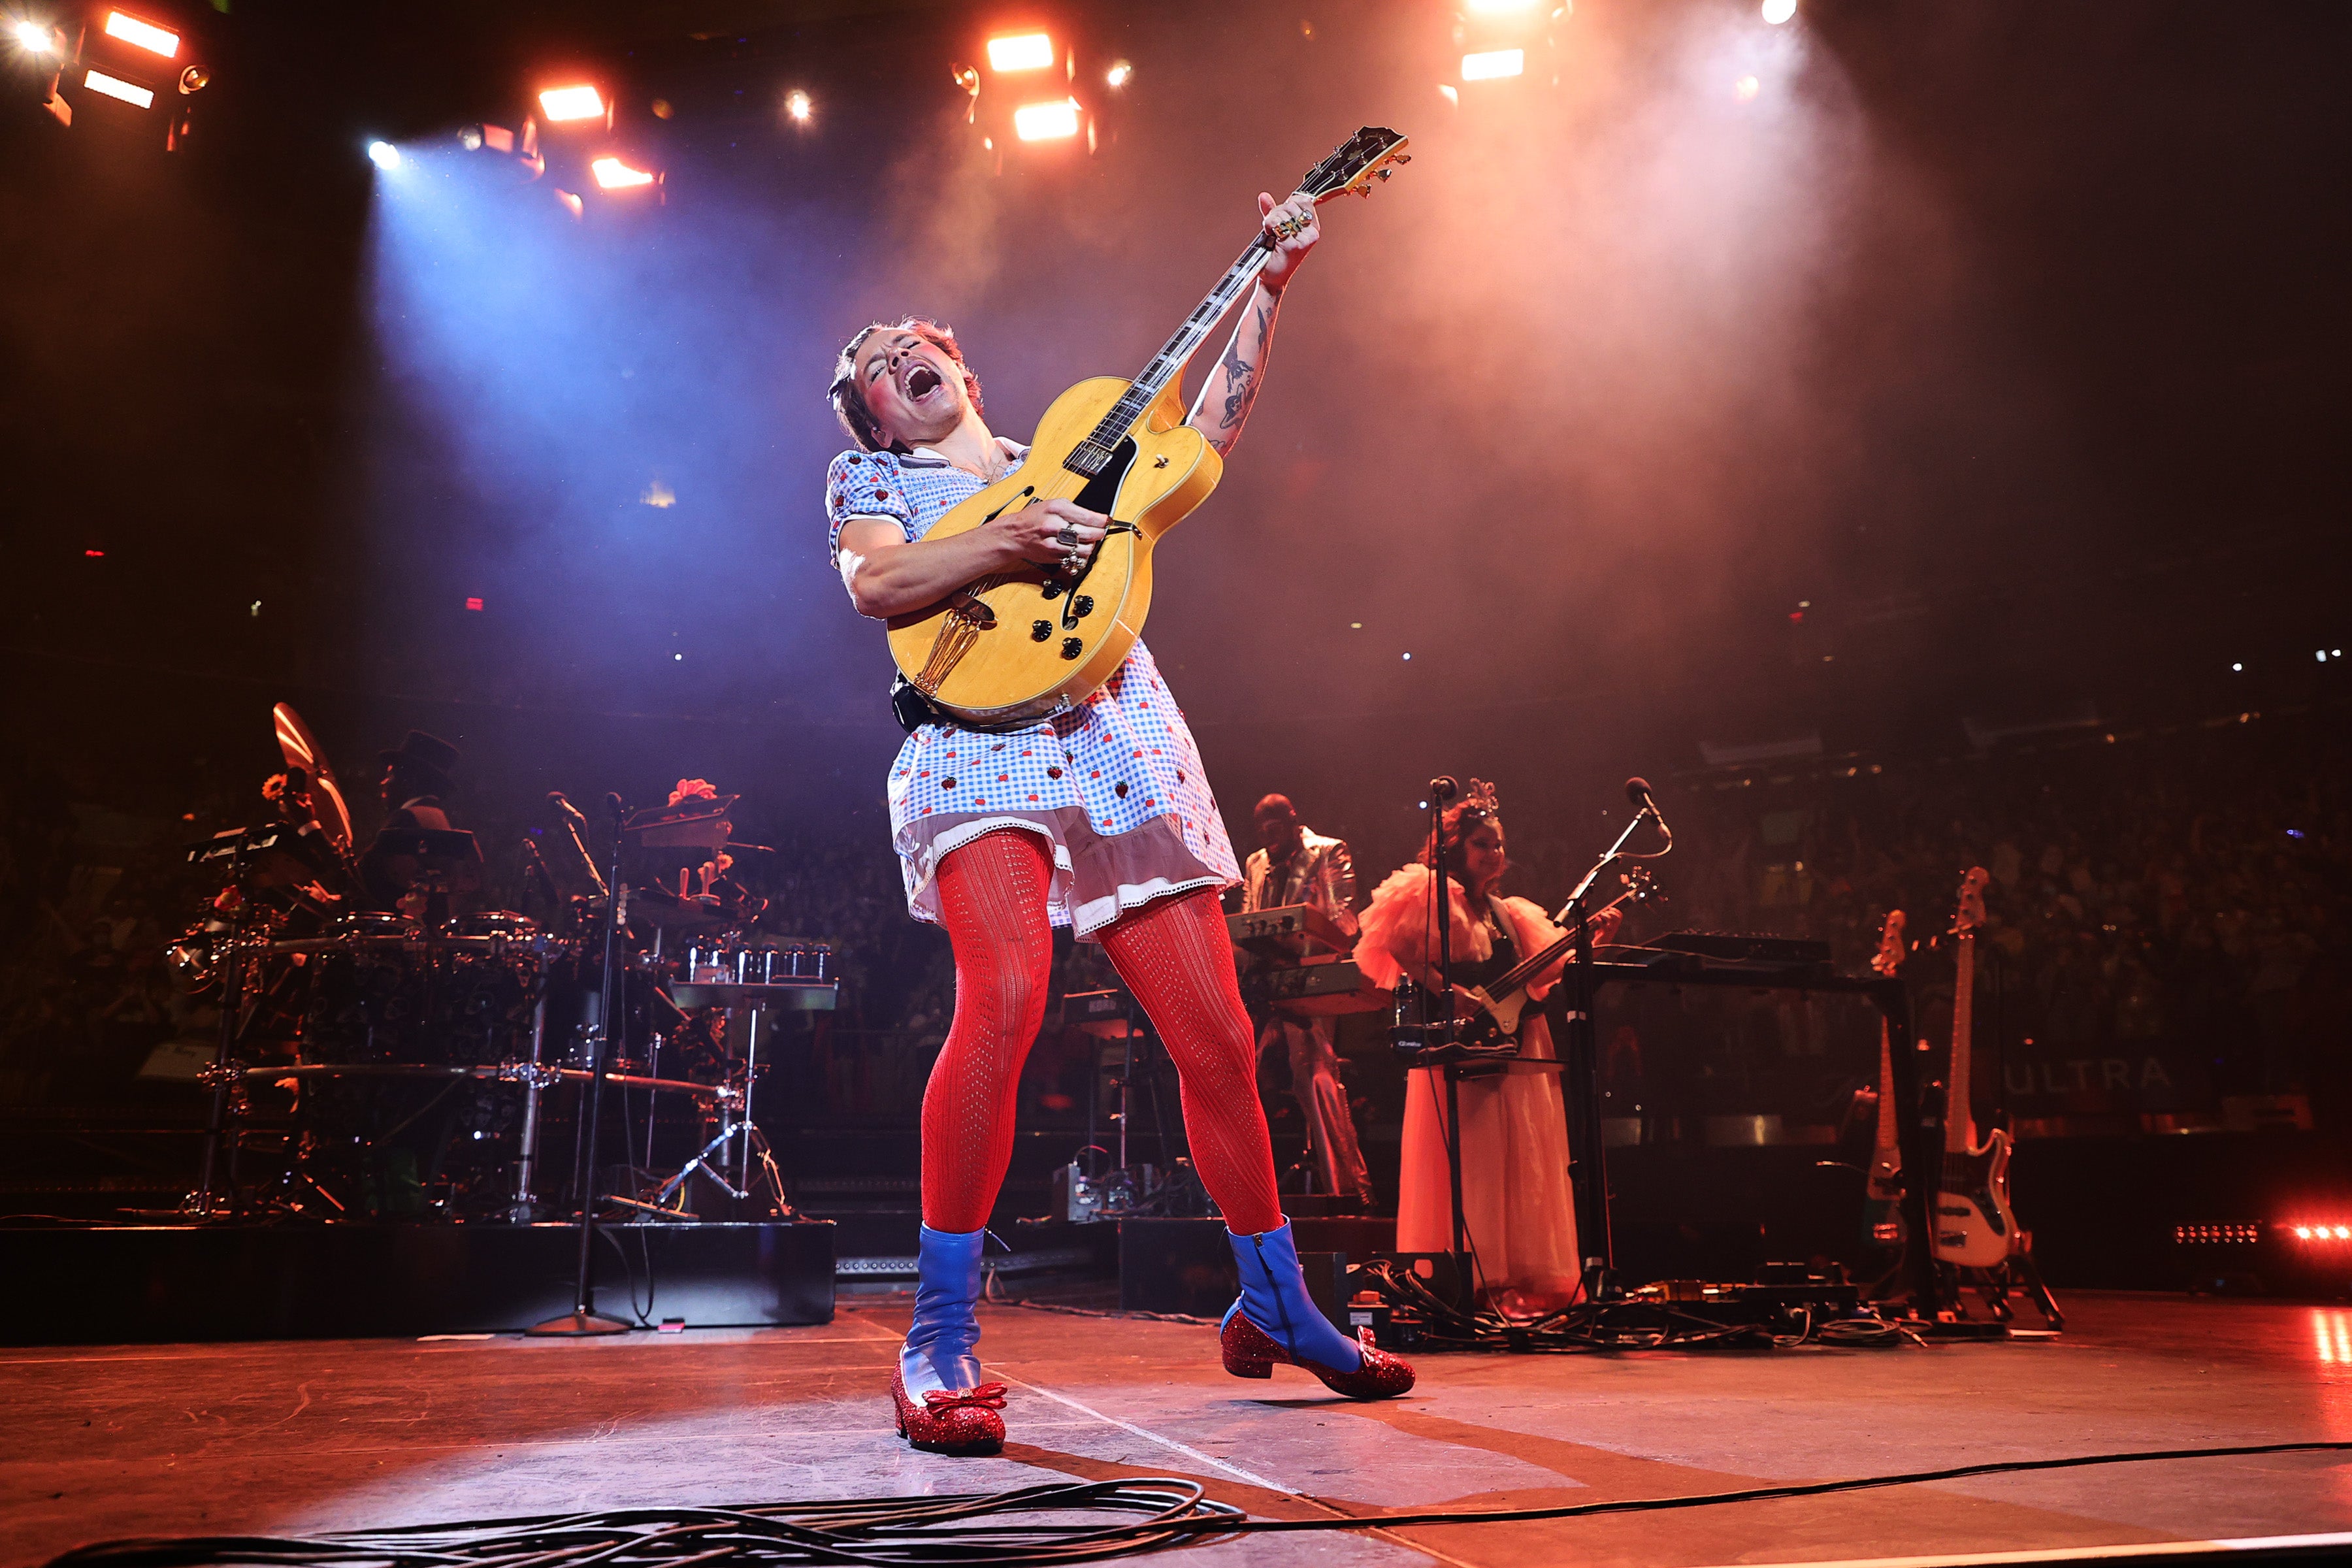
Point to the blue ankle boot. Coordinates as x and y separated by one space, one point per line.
943 1406
1275 1320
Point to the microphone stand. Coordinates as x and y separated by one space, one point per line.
1443 892
610 1004
1588 1156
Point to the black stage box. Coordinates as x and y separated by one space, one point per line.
131 1284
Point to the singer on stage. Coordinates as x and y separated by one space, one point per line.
1099 819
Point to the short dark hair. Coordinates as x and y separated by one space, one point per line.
848 395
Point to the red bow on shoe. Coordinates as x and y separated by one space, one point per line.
987 1397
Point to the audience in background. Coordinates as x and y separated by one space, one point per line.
2193 889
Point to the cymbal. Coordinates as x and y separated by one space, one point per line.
301 750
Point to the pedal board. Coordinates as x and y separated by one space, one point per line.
1761 1305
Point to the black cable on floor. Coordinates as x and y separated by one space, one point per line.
921 1529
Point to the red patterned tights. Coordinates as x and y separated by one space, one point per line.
1173 954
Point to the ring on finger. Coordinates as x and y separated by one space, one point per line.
1066 537
1071 563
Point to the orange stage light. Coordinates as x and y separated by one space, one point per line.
1779 11
35 39
1046 122
615 175
130 92
1494 64
580 102
1021 52
145 35
1498 8
798 105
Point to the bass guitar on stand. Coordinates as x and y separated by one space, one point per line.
1883 1230
1974 1224
1976 1228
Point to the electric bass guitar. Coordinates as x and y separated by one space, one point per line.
1974 1224
1881 1205
1501 1005
1020 645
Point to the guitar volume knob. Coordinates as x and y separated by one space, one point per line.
1082 605
1072 647
1040 630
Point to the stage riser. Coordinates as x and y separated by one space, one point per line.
148 1284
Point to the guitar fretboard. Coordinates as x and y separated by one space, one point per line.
1090 455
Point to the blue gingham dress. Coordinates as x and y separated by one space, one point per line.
1115 784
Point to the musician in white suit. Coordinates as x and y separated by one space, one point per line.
1300 866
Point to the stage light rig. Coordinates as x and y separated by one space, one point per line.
1503 40
129 69
1029 93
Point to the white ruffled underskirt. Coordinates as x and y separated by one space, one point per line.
1095 879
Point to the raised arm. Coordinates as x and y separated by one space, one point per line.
1231 385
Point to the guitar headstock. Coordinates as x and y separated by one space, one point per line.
1372 152
1972 911
1891 946
1639 888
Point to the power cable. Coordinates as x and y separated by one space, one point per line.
923 1530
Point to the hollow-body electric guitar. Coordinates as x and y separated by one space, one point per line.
1019 645
1974 1223
1881 1205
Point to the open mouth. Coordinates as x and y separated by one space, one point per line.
921 381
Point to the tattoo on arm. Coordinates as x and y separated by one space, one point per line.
1242 378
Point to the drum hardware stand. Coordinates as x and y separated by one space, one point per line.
611 1015
535 1078
225 1076
1127 1188
711 1158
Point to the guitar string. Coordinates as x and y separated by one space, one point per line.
1087 459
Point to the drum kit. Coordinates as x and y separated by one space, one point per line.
416 1057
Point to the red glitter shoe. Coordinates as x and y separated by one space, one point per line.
962 1422
1251 1352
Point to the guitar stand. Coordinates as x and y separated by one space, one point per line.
2020 1272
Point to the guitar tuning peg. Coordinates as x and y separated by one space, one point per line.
1386 173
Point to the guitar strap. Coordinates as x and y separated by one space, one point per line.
912 708
1504 938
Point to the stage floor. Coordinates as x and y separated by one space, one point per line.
288 1436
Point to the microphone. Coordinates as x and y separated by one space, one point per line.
616 806
571 813
1637 790
1443 787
